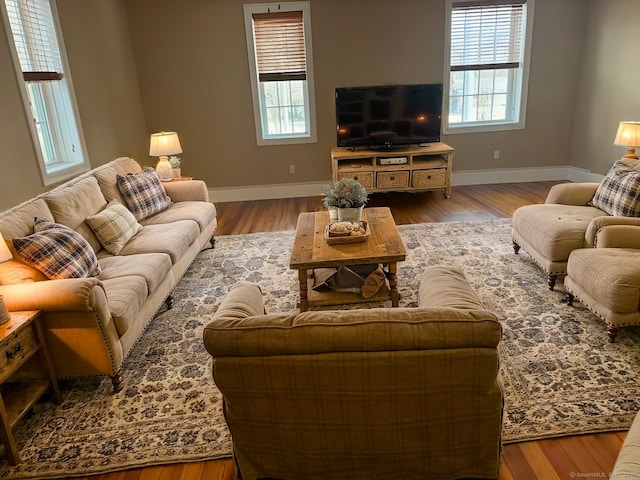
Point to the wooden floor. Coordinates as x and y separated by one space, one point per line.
584 456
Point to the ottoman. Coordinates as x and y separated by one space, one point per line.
550 232
607 282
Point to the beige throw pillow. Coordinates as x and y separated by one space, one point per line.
114 226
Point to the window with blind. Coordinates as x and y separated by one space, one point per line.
279 45
31 25
488 46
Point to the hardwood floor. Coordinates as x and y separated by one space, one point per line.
590 456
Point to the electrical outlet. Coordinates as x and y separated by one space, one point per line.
292 169
496 154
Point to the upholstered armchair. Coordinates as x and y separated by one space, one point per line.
573 215
606 279
410 393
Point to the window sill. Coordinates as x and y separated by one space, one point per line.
477 128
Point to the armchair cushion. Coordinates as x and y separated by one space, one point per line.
619 192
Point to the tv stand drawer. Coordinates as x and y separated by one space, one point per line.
433 177
365 178
394 179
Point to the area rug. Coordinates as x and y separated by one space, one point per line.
561 376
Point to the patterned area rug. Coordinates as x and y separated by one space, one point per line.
561 376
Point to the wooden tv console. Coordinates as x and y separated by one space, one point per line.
426 168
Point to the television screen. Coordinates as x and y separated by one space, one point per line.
388 116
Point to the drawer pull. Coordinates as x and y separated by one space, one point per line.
17 348
392 178
355 177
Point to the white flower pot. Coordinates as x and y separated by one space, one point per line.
350 214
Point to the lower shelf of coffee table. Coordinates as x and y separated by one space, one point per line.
316 298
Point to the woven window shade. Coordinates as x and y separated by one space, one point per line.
486 35
280 48
35 39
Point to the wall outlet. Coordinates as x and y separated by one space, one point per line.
496 154
292 169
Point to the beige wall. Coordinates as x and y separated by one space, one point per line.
193 70
96 33
141 66
608 89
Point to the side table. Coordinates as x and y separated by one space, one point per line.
24 376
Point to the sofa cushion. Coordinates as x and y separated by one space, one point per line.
14 272
72 204
107 176
57 251
619 191
18 221
202 212
114 226
153 267
143 193
173 239
125 296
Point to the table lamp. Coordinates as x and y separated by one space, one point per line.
5 255
628 136
162 145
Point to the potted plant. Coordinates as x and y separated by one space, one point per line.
348 196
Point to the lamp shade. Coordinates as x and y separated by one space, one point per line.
164 144
5 253
628 134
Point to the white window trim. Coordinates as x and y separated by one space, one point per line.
289 139
495 126
61 172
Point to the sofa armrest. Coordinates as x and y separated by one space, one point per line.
592 235
447 287
77 294
627 464
572 193
618 236
187 191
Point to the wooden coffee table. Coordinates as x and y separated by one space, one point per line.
311 251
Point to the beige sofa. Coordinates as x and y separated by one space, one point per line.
407 393
568 220
92 323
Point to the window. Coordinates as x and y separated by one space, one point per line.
488 45
279 45
46 88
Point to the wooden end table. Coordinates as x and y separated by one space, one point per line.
311 251
24 377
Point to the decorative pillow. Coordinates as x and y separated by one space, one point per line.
619 192
114 226
143 193
57 251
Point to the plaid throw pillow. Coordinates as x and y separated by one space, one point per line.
114 226
57 251
143 193
619 192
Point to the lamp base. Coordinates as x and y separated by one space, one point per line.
163 169
4 314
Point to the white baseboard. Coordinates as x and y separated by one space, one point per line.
458 178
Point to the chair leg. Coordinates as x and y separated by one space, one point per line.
612 333
552 281
169 302
117 382
516 247
569 299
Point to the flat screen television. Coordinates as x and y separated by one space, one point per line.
388 116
